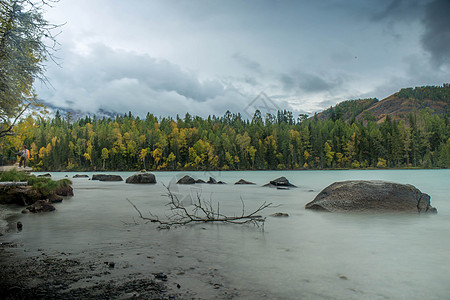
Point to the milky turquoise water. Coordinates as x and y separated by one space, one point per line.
309 255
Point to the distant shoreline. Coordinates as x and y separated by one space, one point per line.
244 170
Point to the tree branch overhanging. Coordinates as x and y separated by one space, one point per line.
8 128
202 212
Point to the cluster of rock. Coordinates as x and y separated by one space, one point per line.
279 182
149 178
189 180
142 177
33 199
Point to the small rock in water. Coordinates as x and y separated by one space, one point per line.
343 277
212 180
242 181
48 175
186 180
279 214
164 227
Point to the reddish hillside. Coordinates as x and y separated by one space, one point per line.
434 99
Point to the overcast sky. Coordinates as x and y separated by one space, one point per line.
205 56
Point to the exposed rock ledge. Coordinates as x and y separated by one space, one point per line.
371 196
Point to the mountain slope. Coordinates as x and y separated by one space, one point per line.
347 110
434 99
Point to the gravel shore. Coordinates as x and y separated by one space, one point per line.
65 277
109 273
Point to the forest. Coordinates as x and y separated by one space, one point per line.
127 142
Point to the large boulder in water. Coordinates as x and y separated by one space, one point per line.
141 178
371 196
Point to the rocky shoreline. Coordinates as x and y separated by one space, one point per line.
61 276
47 274
111 272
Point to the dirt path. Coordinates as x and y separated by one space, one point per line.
9 168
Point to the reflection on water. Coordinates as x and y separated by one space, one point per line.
307 255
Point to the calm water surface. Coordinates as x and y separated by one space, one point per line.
309 255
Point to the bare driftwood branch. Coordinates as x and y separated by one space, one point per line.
202 212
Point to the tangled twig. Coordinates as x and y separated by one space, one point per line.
202 212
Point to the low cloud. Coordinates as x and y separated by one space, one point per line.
247 63
309 82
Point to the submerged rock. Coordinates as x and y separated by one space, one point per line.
242 181
280 215
143 178
41 206
105 177
80 176
371 196
186 180
48 175
280 182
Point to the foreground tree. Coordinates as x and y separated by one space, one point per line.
26 43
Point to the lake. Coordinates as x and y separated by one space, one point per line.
308 255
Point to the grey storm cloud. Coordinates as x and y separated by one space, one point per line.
436 38
118 81
206 57
435 18
158 74
396 10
